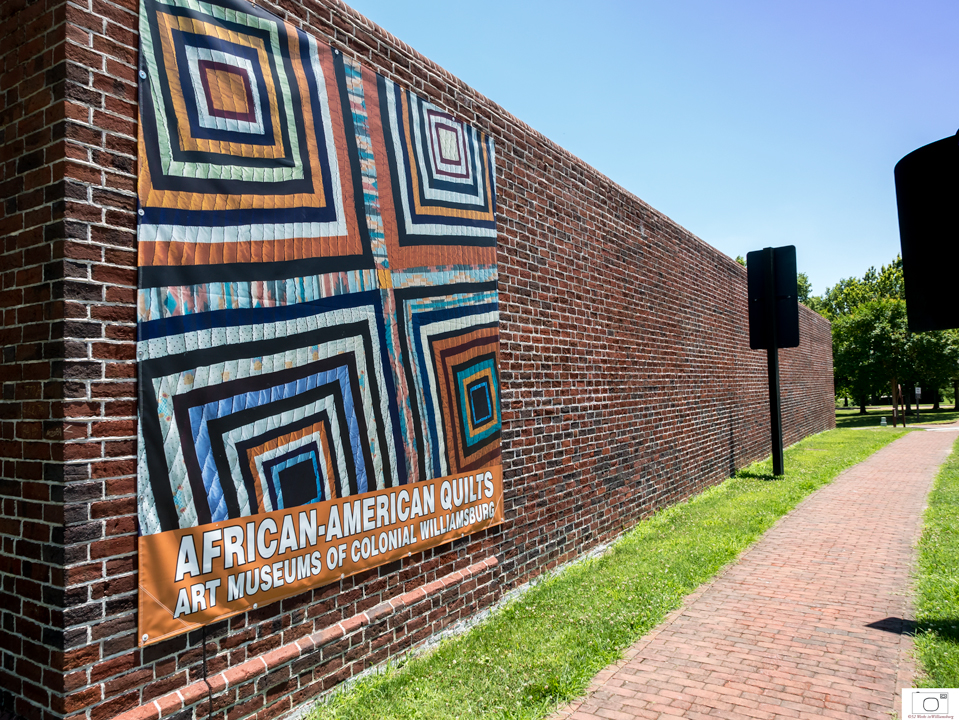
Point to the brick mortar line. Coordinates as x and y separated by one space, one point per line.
232 677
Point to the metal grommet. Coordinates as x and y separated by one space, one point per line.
143 74
140 212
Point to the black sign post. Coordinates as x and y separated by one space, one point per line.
773 323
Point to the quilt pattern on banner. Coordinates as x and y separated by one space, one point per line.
317 304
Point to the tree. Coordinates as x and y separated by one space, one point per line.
873 350
851 357
892 346
849 293
803 287
935 361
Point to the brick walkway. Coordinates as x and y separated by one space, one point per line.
807 623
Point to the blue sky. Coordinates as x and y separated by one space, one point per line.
749 123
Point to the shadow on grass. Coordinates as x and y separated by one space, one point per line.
873 418
764 476
867 420
944 628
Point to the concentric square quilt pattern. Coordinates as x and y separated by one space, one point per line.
317 303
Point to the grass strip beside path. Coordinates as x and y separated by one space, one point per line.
543 649
937 586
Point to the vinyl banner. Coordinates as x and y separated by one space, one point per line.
200 575
317 320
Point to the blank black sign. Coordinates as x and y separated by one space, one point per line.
786 298
927 192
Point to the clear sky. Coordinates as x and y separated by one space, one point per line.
749 122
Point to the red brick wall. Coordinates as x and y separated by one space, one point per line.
32 231
627 385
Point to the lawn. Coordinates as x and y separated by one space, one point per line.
937 583
542 650
850 417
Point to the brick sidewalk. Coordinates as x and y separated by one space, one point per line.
807 623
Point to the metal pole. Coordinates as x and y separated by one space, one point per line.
772 366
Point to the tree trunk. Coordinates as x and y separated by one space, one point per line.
862 405
845 401
955 397
935 399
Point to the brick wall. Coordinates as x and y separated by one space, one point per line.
627 384
32 230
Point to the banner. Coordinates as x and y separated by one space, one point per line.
318 319
201 575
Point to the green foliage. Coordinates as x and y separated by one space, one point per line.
803 287
872 345
937 583
543 649
848 294
936 357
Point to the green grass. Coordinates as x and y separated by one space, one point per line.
850 417
937 587
542 650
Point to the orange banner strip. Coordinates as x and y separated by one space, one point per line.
197 576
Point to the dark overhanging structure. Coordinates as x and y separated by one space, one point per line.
927 194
